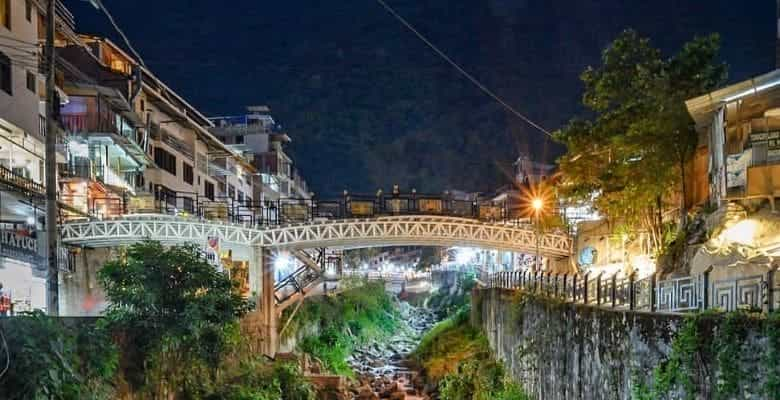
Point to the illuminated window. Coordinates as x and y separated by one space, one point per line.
5 13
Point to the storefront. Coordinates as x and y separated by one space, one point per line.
22 270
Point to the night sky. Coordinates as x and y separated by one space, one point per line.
368 105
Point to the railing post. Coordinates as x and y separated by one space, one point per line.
653 294
770 289
706 288
547 283
631 288
565 276
574 288
598 288
585 288
614 288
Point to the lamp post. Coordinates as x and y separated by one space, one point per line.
537 205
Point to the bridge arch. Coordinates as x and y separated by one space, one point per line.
342 233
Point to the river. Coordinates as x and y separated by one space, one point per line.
381 366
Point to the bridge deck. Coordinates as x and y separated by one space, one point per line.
344 233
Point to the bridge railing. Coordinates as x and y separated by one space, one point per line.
299 210
676 295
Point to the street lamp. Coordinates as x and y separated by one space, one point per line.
538 204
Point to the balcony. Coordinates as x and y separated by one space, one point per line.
17 181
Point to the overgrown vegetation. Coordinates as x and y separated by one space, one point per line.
356 316
448 302
174 313
48 360
171 332
457 357
707 358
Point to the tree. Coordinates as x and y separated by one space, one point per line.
175 313
631 159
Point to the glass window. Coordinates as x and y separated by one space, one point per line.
165 160
28 10
5 13
5 73
31 82
208 190
187 173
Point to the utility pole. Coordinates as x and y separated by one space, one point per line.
52 278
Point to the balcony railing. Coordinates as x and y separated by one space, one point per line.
296 210
26 185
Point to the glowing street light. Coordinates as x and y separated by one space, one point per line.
537 204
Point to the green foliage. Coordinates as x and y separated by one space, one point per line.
176 315
457 356
633 154
351 318
772 356
447 303
255 380
728 344
708 342
51 361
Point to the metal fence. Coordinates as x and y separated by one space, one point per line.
298 210
677 295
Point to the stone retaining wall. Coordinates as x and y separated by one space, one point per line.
561 351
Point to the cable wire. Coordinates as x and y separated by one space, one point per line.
461 70
100 5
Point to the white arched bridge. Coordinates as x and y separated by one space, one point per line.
298 226
341 233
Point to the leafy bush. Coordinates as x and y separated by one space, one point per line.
354 317
255 380
457 356
175 314
49 360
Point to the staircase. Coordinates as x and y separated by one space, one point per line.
302 281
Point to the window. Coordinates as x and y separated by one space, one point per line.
165 194
208 190
240 197
240 139
187 173
5 13
231 191
31 82
165 160
5 73
28 10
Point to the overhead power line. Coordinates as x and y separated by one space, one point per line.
99 4
461 70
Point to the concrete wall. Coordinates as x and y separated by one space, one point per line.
561 351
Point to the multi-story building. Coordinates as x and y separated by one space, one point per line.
22 152
256 133
135 146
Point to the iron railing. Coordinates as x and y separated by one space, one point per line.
299 210
676 295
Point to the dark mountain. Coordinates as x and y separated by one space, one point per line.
368 104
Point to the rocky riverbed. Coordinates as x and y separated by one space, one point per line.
381 366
